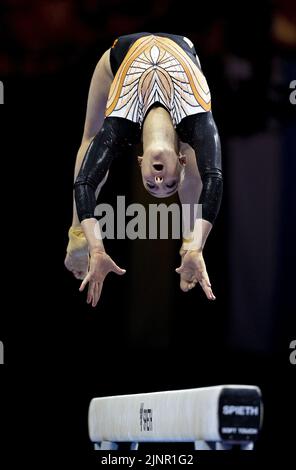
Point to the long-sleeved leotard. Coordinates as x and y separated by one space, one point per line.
111 141
154 69
200 131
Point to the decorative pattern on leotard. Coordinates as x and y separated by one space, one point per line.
156 69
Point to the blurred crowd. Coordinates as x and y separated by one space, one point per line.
251 47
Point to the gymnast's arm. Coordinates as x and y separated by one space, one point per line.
95 113
201 133
112 140
77 250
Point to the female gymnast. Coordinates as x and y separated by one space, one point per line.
148 87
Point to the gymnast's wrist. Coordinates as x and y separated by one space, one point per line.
75 231
96 246
191 245
77 241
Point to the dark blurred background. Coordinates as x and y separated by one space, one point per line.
146 335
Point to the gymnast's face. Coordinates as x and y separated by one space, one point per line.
162 171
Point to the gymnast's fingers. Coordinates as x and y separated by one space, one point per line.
192 284
183 285
187 281
97 295
90 294
79 274
116 269
180 269
207 289
84 282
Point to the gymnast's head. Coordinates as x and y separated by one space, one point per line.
162 166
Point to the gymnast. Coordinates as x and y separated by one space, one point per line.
147 88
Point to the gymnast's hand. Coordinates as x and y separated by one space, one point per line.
77 263
76 259
193 270
100 265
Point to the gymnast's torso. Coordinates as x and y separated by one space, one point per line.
152 69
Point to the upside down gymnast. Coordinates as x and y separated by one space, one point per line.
150 88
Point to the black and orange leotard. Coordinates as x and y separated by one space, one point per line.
152 69
156 69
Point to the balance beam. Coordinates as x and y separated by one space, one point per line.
211 417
